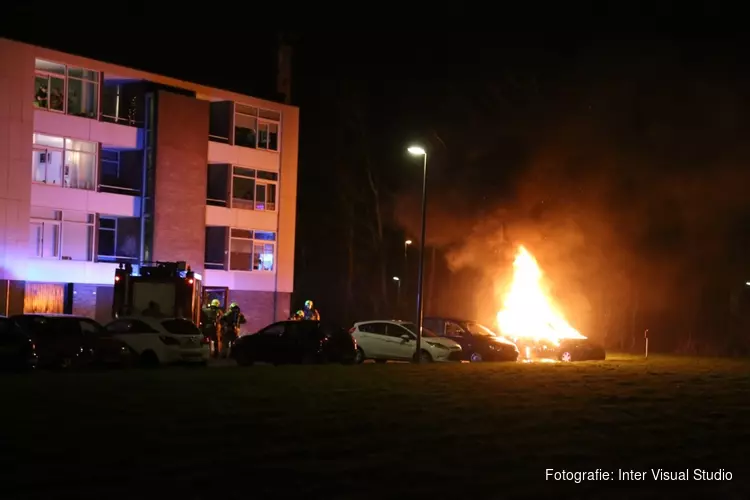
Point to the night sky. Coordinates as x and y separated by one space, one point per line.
621 162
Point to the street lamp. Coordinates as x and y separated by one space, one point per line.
419 151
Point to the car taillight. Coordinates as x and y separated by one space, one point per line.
169 340
206 340
352 330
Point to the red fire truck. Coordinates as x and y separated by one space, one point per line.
170 289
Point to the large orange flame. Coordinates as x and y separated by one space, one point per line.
528 313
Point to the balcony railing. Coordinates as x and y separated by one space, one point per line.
106 188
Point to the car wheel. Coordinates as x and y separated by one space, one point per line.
148 359
475 357
359 358
424 357
566 357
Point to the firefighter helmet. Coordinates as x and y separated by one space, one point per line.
215 303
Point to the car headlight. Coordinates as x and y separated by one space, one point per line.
438 346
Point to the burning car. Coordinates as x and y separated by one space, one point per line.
530 318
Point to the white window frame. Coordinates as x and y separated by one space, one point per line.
64 150
97 88
255 114
253 242
263 182
60 222
41 223
65 78
48 75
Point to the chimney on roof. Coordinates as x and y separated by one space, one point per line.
284 70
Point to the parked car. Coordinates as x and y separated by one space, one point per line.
391 340
70 341
305 342
162 341
567 350
17 350
478 342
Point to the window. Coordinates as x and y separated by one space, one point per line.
216 247
57 235
376 328
180 327
129 326
64 162
453 330
217 185
120 171
254 189
118 239
70 90
83 92
49 86
90 328
251 250
399 331
256 128
275 329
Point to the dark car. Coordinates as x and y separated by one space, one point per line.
478 342
566 350
296 342
17 351
67 341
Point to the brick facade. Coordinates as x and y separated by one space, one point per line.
258 307
84 300
180 179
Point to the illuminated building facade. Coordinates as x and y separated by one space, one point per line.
101 164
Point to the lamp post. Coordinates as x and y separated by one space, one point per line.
398 293
419 151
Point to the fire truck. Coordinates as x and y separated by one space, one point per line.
169 289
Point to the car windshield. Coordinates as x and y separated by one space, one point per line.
477 329
413 329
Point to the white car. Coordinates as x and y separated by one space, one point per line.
162 340
397 341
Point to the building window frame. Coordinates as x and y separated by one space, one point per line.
67 150
88 78
262 179
264 124
60 221
257 239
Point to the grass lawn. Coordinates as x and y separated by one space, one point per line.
375 431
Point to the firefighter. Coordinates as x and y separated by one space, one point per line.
211 324
309 312
231 322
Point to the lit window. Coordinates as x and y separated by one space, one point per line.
251 250
64 162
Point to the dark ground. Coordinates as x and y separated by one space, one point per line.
375 431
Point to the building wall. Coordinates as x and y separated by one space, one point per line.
183 150
16 130
180 184
258 307
84 300
287 201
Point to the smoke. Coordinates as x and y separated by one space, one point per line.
622 220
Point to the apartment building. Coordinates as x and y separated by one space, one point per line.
101 164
